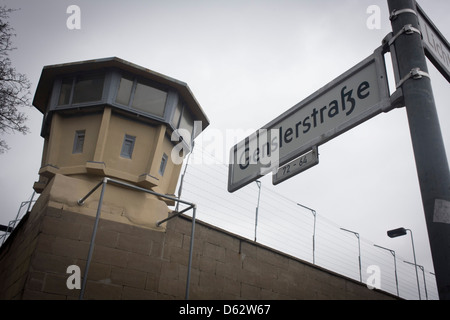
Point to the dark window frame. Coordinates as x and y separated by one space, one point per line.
128 144
78 142
140 81
163 165
73 79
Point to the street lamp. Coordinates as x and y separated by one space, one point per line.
395 265
401 232
396 232
359 250
314 231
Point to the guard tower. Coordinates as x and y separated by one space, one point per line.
112 118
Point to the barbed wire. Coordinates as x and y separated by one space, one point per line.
287 227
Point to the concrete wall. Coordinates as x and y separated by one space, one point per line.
131 262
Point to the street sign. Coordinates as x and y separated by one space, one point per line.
437 48
296 166
354 97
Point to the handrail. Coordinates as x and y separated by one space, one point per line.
12 223
103 183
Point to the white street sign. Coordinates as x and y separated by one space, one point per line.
437 48
296 166
354 97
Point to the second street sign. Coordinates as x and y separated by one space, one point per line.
296 166
437 48
354 97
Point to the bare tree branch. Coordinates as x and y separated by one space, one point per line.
14 87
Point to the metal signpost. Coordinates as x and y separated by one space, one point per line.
354 97
429 151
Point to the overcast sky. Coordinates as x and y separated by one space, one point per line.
246 62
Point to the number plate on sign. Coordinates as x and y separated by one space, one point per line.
296 166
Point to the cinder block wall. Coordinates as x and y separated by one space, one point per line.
131 262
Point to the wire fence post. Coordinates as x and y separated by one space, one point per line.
258 183
359 250
314 213
395 265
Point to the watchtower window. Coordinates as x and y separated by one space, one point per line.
124 93
88 88
149 99
78 142
142 97
80 89
186 122
127 146
176 115
66 91
162 167
183 119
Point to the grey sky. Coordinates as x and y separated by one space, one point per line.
246 62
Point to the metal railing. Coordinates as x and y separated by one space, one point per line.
12 224
103 184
